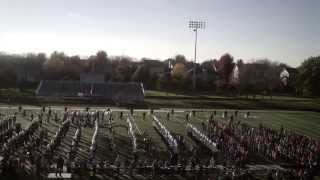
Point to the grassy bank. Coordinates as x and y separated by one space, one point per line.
160 99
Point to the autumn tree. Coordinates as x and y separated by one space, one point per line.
225 67
99 62
54 66
179 70
259 77
180 59
123 69
74 66
309 77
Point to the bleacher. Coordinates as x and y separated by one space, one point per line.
100 89
48 88
115 91
70 88
130 91
85 89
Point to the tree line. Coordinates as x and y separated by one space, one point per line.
225 75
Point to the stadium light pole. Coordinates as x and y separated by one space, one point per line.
195 25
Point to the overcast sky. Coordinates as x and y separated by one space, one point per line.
282 30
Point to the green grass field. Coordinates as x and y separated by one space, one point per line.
306 123
302 122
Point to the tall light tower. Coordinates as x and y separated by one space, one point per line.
195 25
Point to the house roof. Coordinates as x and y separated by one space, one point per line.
291 70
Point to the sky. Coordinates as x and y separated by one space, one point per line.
281 30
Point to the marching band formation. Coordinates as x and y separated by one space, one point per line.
7 126
75 143
19 138
57 138
165 133
201 137
229 138
131 134
93 146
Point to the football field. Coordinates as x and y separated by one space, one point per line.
301 122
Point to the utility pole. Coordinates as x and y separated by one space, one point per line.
195 25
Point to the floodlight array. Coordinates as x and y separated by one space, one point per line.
197 24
